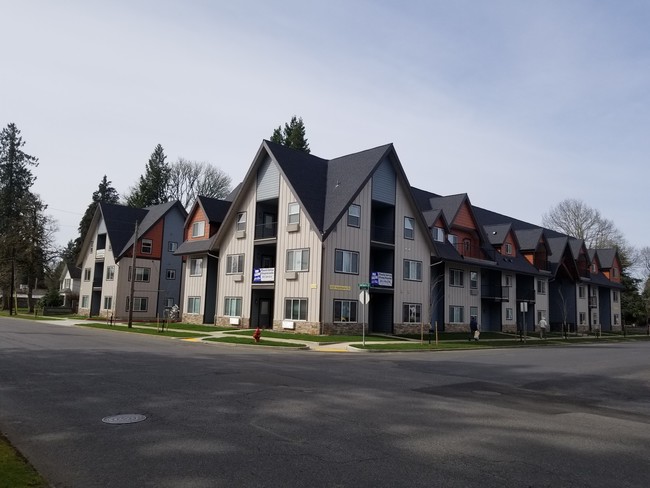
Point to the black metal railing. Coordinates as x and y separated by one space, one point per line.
382 234
266 231
495 292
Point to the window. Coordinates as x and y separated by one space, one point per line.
411 313
508 280
473 312
615 296
614 272
235 264
86 274
141 274
146 246
193 305
582 317
456 314
66 284
241 221
294 213
108 303
412 270
453 239
582 292
438 234
172 246
346 262
473 280
140 304
84 301
298 260
354 216
169 302
90 250
616 319
541 314
110 273
232 307
456 277
595 318
171 274
196 266
594 268
508 249
509 315
541 287
198 229
295 309
409 228
345 310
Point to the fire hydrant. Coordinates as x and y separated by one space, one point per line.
257 334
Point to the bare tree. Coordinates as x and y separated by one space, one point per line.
190 179
577 219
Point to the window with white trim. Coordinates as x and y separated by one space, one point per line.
172 246
110 273
412 270
170 274
582 292
473 280
508 280
453 239
196 266
169 302
346 261
615 296
541 287
438 234
293 216
616 319
456 277
146 246
241 221
140 304
509 314
198 228
142 274
345 310
108 303
84 301
298 260
508 249
409 228
193 305
354 216
456 314
541 314
411 313
295 309
235 264
232 307
86 274
582 318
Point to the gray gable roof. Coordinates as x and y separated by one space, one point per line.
151 217
214 208
120 223
450 205
529 238
606 257
497 234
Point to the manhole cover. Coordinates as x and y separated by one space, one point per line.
127 418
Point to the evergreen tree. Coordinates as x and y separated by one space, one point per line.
152 188
104 193
16 180
292 136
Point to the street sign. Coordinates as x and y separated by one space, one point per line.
364 297
364 286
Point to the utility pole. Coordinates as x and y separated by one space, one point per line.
132 290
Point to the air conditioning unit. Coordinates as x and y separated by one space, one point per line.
239 277
234 320
291 275
288 324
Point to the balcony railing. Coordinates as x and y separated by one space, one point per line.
495 292
266 231
382 234
468 250
593 302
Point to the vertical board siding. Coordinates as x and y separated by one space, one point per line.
464 217
268 181
460 296
384 183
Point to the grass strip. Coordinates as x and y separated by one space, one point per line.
15 471
143 330
250 342
193 327
312 338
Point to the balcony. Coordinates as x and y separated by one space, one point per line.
268 230
384 235
495 292
468 250
593 302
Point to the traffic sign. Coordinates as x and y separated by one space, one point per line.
364 286
364 297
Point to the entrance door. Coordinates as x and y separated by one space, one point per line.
264 311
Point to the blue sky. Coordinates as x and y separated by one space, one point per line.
518 104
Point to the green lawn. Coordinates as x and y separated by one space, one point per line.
141 330
249 341
15 471
193 327
313 338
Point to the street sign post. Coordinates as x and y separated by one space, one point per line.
364 298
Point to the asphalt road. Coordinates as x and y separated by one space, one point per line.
223 416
